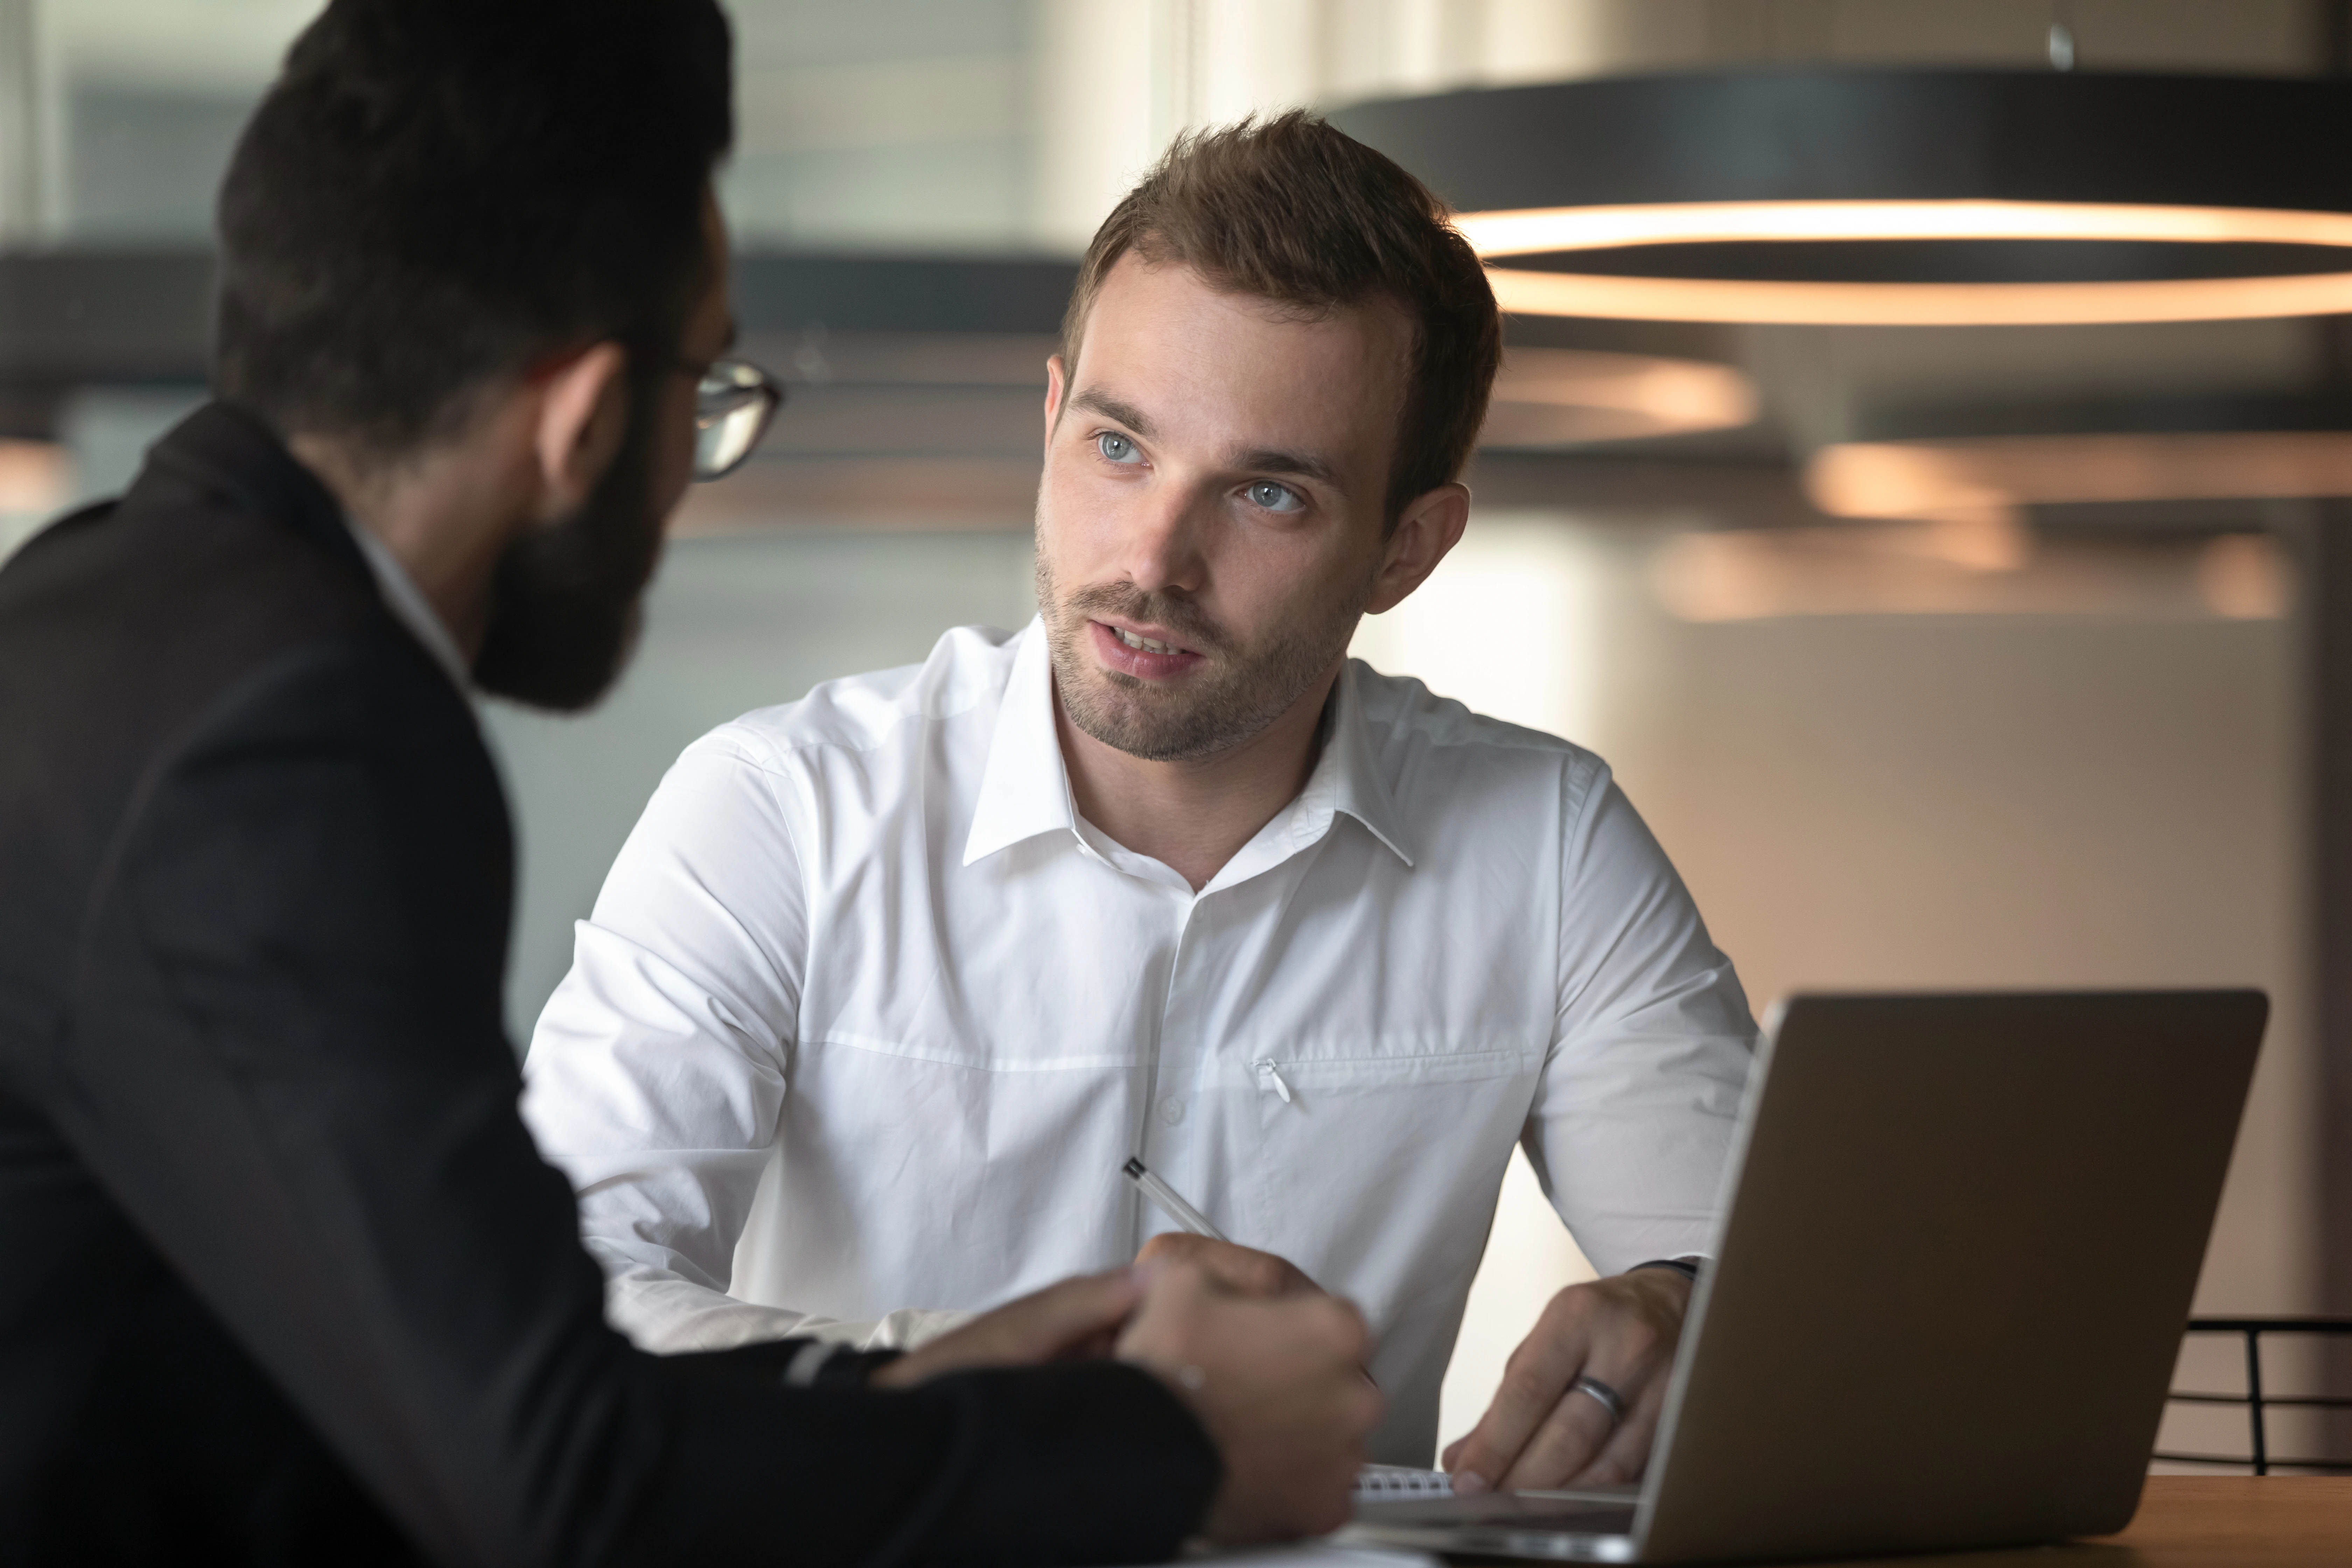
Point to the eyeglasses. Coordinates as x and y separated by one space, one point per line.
734 403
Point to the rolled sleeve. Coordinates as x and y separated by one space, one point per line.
1634 1113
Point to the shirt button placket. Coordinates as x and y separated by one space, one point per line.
1176 1066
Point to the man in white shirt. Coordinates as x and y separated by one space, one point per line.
889 983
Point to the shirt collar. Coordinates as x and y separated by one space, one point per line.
408 603
1025 790
1353 773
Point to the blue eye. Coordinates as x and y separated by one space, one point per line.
1116 447
1273 497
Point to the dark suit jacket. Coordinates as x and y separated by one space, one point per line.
282 1276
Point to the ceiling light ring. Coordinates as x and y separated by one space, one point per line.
1546 230
1923 156
1733 302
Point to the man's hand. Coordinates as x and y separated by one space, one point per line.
1243 1271
1541 1431
1276 1383
1078 1317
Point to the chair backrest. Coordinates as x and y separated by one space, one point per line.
2258 1401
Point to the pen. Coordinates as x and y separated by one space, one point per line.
1171 1202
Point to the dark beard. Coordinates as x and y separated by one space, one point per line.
568 599
1246 689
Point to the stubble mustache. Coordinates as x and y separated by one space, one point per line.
1125 602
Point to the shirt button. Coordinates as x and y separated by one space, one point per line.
1171 1111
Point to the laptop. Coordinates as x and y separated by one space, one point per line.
1947 1295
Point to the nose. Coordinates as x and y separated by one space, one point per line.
1163 538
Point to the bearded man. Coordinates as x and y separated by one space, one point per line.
932 954
287 1281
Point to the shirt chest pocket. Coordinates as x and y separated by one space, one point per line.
1337 1152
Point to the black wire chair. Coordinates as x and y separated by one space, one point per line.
2256 1402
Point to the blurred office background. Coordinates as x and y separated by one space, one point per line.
1998 749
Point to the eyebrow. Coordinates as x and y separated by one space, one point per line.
1306 465
1110 407
1262 460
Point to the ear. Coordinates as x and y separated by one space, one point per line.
1056 383
1431 526
583 412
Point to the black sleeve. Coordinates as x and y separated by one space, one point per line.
288 1067
768 1363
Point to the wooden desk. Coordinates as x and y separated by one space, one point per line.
2202 1522
2190 1522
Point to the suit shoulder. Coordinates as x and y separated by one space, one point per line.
176 580
129 636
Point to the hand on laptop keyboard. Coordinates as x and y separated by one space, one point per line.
1549 1424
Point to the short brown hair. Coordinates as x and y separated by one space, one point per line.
1290 210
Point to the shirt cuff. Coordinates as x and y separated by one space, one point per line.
829 1364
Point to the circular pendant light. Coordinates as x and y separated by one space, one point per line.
1909 198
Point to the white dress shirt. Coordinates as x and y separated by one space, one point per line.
862 960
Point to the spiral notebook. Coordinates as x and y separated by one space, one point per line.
1400 1483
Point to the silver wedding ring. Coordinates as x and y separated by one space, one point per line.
1608 1398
